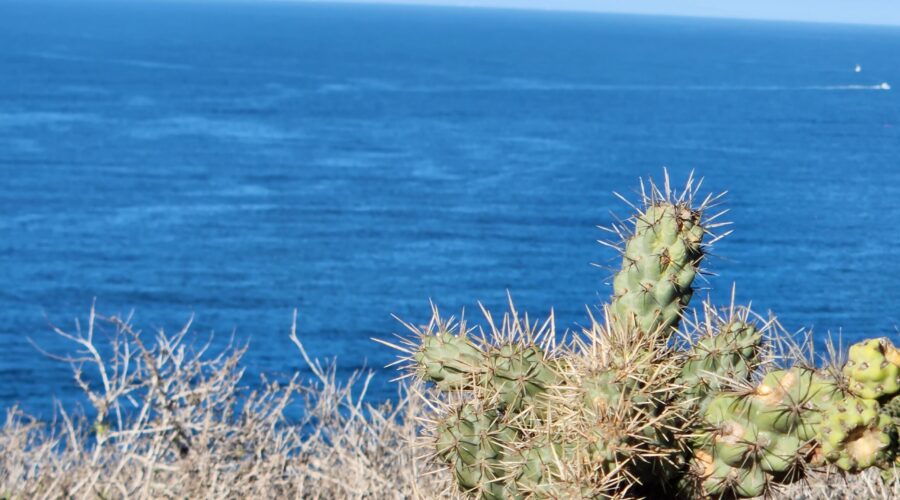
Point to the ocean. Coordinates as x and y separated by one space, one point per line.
234 161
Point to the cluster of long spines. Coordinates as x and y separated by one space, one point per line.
661 246
540 401
516 381
725 350
624 390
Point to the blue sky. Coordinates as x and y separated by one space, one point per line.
846 11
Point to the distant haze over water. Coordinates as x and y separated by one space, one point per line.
237 161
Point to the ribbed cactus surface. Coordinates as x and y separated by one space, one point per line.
721 357
660 261
855 435
450 361
873 369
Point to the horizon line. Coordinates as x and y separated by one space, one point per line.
575 9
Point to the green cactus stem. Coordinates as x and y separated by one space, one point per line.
659 264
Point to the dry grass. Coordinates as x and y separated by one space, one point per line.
175 420
867 485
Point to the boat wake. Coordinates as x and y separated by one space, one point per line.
516 85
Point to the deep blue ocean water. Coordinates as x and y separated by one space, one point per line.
235 161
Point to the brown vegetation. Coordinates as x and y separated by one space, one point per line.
173 421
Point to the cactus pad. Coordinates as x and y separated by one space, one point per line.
873 369
660 261
517 373
793 401
448 360
727 356
855 435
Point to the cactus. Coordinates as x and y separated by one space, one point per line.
891 408
539 465
873 369
727 353
855 435
661 259
623 410
519 374
748 440
450 361
769 430
477 446
718 479
793 401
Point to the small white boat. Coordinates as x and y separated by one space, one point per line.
884 86
858 68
